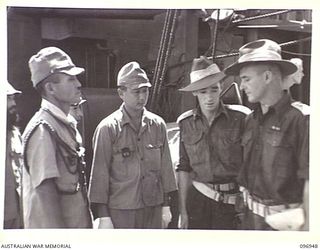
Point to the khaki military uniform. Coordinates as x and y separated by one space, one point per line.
54 194
131 170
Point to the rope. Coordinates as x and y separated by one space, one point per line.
164 52
168 51
261 16
281 45
295 41
160 55
293 53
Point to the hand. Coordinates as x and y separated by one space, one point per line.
183 221
166 216
103 223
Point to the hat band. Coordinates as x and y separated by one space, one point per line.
202 73
260 56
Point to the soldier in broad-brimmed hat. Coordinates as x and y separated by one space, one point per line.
132 171
276 138
210 153
54 185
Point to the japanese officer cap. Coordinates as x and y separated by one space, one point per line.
132 76
51 60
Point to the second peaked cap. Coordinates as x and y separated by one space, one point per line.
131 75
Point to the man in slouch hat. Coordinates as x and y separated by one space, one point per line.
275 171
210 153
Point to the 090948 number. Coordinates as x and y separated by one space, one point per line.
307 246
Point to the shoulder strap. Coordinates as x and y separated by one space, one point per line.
240 108
303 108
185 115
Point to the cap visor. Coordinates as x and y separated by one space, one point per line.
138 85
73 71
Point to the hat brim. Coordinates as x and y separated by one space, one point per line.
73 71
138 85
287 67
204 82
11 90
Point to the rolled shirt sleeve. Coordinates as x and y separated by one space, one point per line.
167 174
184 163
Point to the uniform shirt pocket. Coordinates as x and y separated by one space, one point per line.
152 155
229 146
280 152
122 159
196 147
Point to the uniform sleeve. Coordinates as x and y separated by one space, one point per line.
41 156
303 149
184 163
102 153
167 174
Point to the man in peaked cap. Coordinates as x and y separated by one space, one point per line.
274 174
132 171
54 185
210 153
12 197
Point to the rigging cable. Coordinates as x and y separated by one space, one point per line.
261 16
162 59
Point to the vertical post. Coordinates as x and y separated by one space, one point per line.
188 44
215 35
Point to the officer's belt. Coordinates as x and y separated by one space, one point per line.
262 209
207 190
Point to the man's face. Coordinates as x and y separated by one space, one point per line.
12 116
209 97
67 90
253 82
135 99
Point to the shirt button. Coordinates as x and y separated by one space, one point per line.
141 158
138 139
